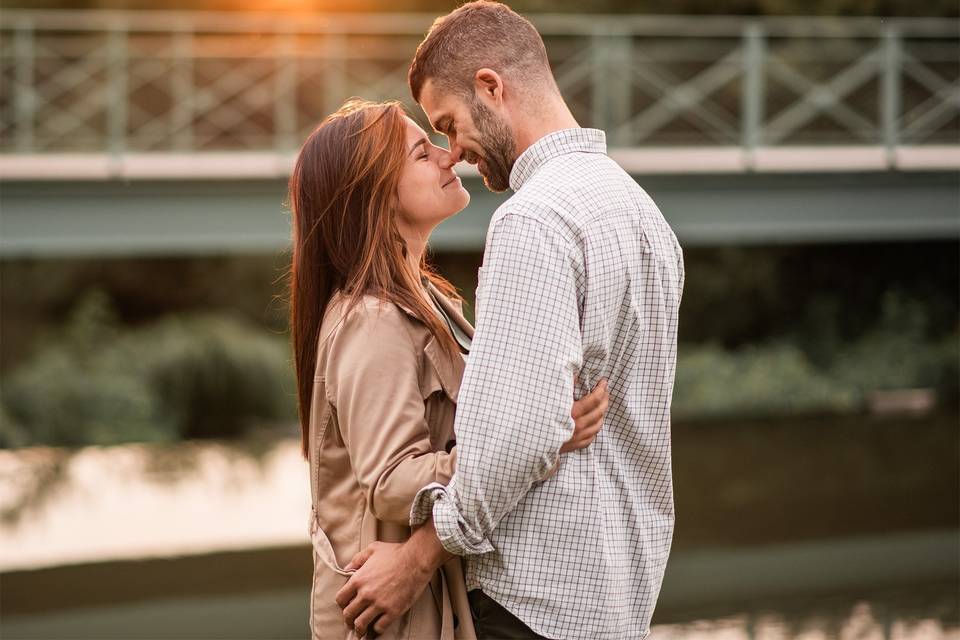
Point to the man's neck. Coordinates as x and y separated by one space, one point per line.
554 117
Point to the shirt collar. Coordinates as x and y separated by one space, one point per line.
558 143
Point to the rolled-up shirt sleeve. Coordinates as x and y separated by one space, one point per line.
513 413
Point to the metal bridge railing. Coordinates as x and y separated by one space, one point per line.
122 83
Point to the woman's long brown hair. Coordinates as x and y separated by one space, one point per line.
343 200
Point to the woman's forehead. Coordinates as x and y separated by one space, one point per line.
414 132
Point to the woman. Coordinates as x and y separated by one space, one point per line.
379 345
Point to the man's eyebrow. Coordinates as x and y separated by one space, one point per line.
417 144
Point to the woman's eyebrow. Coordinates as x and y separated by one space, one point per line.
417 144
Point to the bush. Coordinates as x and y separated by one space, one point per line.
774 379
780 378
216 375
196 376
898 354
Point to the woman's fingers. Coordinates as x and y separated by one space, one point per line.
595 416
590 401
588 425
588 413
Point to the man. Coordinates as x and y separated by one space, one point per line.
581 275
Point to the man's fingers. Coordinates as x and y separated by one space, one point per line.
347 593
365 619
384 621
357 561
353 610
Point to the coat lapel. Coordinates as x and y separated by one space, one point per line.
449 370
453 308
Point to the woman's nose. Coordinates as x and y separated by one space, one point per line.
449 158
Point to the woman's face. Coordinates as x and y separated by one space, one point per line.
429 191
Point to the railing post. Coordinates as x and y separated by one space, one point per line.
890 96
599 71
285 93
24 94
117 95
181 120
753 97
620 90
336 86
611 82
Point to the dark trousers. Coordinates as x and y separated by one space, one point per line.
493 622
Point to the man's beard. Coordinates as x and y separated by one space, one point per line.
496 142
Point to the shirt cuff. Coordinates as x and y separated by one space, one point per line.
434 500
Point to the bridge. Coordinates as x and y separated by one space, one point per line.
163 133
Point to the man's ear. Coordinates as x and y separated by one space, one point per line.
488 85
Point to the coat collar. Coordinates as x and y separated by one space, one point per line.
454 309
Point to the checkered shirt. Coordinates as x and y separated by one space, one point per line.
582 276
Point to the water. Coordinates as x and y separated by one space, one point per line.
919 612
207 540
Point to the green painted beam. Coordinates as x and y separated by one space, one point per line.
104 218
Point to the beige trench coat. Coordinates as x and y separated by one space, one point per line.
381 428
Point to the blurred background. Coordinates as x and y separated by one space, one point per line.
810 166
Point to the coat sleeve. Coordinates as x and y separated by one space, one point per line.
373 382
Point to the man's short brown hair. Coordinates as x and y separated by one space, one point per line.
476 35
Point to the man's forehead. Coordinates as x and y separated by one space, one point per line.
437 104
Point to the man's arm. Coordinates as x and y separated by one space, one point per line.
513 418
514 410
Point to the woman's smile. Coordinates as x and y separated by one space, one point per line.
455 180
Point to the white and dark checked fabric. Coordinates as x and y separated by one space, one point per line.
581 276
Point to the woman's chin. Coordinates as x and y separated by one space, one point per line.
463 201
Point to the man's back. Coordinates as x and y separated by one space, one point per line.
582 553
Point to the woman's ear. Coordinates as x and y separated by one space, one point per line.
488 84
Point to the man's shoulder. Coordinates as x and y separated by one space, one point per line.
565 192
577 181
531 214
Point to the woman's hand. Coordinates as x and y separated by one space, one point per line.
588 413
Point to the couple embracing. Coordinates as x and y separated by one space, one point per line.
462 486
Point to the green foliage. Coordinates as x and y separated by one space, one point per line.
215 374
192 376
774 379
897 353
206 375
79 389
782 377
